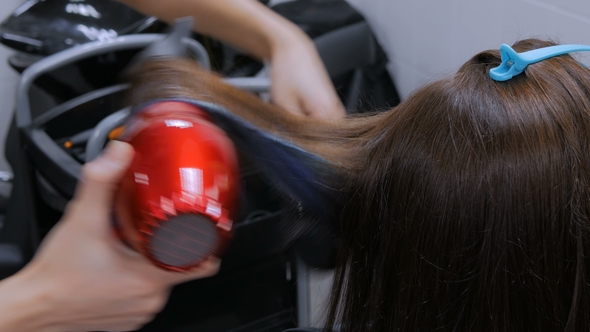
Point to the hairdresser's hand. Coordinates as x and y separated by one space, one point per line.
300 83
83 278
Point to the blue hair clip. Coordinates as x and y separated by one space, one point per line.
514 63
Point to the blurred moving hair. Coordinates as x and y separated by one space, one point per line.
467 205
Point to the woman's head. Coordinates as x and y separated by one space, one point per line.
472 211
467 205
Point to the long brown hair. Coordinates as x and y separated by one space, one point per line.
467 205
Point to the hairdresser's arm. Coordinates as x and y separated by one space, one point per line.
83 278
300 82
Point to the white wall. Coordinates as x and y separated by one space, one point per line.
427 38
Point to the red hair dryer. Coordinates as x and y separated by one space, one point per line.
176 203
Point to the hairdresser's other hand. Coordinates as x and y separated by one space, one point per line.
83 278
300 82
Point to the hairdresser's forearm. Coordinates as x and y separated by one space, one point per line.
24 306
245 24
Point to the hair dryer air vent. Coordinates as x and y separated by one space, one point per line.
184 239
